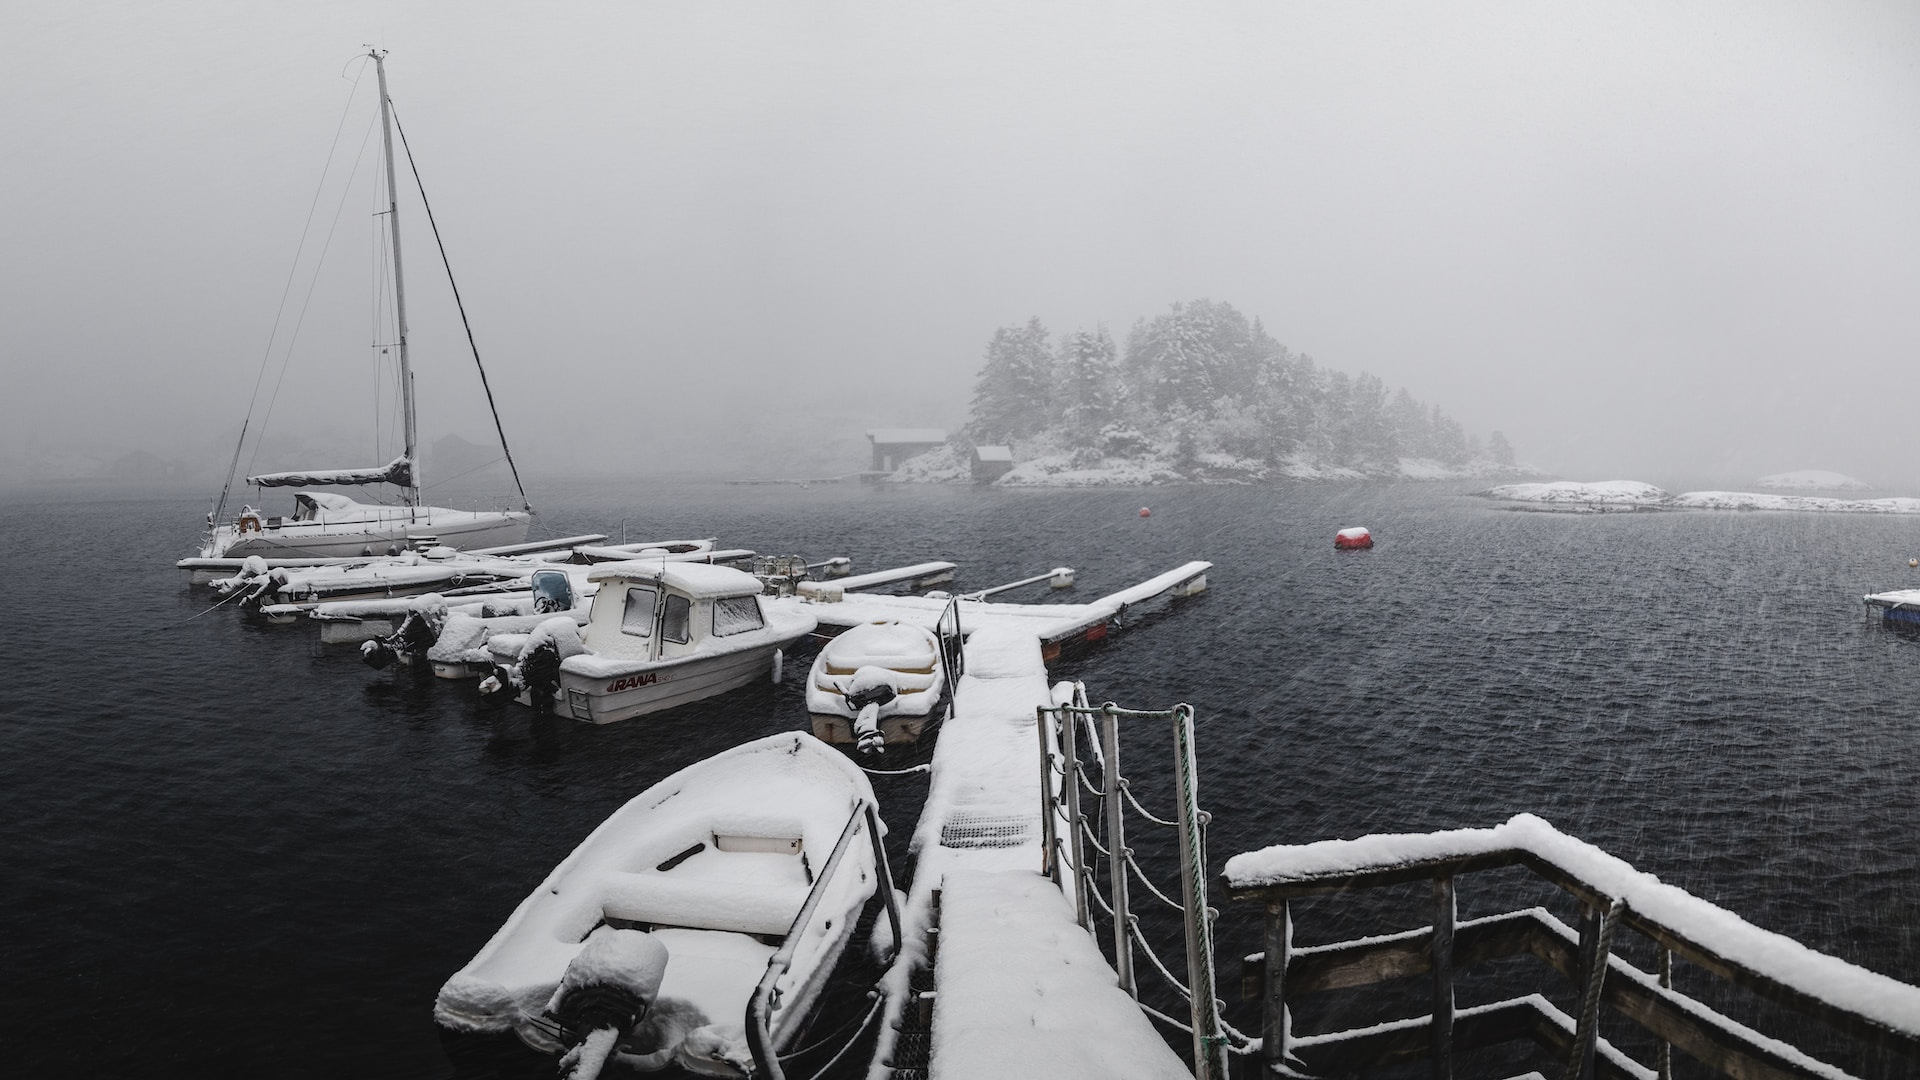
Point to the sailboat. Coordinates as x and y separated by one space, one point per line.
332 525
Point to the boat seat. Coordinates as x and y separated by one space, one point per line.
659 899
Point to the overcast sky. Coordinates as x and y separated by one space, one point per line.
1645 240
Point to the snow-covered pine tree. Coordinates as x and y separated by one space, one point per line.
1089 389
1500 449
1013 394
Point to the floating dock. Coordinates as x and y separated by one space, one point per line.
979 846
1056 626
1899 606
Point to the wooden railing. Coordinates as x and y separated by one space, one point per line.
1879 1015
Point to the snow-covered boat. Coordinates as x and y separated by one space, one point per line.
658 634
877 683
326 524
449 636
697 926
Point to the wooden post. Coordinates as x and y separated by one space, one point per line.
1596 939
1581 1066
1273 1008
1664 1058
1440 1031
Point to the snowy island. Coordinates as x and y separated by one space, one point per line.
1198 394
1618 495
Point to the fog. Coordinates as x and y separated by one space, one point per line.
1658 241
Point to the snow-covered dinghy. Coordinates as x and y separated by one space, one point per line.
876 683
695 927
658 635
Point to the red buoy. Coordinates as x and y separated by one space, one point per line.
1353 539
1144 512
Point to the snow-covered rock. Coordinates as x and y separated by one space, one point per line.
1614 492
1742 500
1810 480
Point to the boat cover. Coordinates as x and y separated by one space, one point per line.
398 472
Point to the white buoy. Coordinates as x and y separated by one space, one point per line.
779 664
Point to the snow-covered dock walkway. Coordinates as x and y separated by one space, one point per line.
1024 991
1055 1006
1055 625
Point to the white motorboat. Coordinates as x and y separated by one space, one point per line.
877 683
658 634
325 524
697 926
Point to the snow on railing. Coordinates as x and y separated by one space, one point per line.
1871 1008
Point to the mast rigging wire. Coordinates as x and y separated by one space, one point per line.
285 291
312 283
525 504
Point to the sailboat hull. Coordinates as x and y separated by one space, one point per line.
347 539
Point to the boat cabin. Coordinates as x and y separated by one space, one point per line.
653 611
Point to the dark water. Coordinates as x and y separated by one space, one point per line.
228 850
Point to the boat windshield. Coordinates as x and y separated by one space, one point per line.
637 619
736 615
676 624
552 591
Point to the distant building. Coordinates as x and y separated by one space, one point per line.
891 446
990 463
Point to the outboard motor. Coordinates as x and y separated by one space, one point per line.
415 636
870 688
606 991
538 668
540 674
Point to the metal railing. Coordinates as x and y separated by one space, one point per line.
1061 729
1584 956
766 997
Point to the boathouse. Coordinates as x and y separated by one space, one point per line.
891 446
990 463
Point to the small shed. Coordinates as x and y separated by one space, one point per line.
891 446
990 463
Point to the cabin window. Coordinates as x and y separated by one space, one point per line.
637 619
676 625
736 615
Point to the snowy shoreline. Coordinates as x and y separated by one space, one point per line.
1627 495
949 465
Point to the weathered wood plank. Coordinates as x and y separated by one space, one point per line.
1441 1031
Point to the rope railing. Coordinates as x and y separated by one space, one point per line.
1059 730
1127 790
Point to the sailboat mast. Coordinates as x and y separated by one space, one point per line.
399 284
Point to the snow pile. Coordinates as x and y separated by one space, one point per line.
1031 1018
1810 480
1611 492
1886 1001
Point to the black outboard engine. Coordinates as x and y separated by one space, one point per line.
605 993
415 636
871 688
540 672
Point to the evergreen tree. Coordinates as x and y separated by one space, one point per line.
1012 396
1500 450
1089 391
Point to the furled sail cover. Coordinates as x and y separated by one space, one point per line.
398 472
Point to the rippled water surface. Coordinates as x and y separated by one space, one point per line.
230 849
